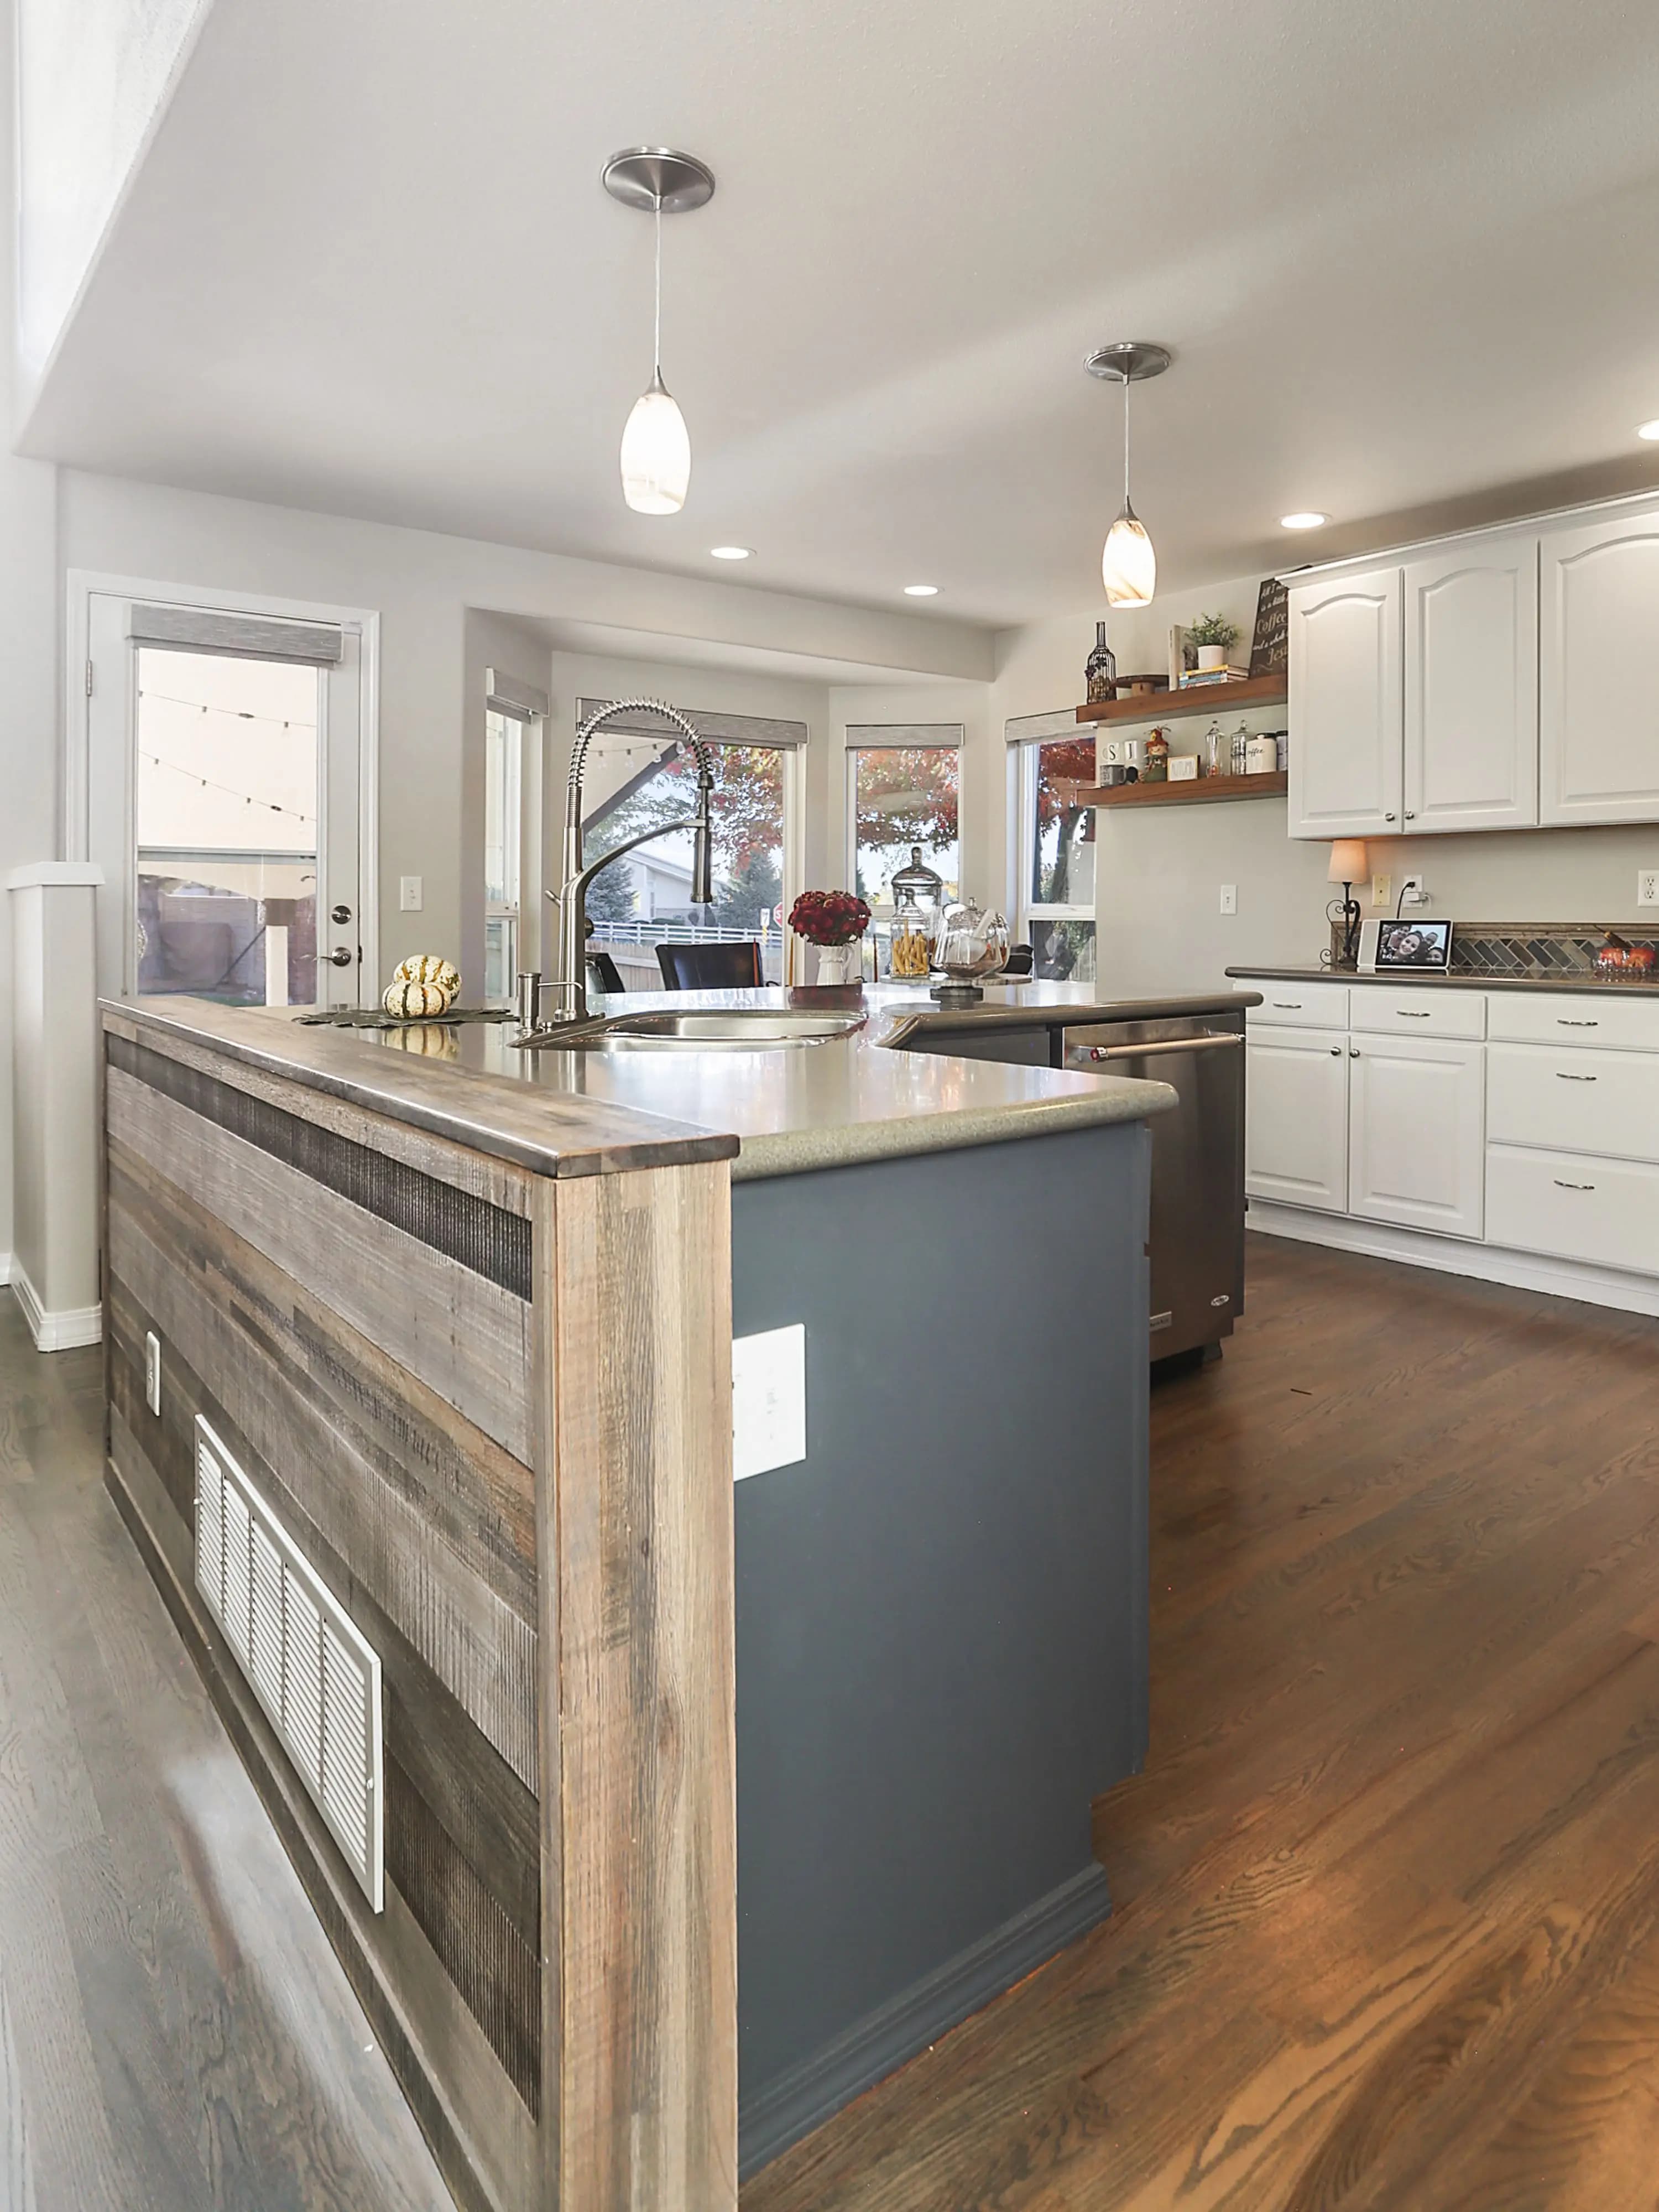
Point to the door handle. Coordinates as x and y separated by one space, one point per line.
340 913
342 957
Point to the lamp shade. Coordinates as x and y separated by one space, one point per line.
1129 566
1349 864
656 453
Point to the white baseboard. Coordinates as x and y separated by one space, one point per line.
53 1332
1451 1256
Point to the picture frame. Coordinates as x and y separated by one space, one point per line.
1398 947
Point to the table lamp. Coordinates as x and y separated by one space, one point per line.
1349 867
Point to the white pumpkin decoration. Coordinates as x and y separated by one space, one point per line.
415 1002
429 968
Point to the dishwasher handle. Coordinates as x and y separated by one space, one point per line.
1212 1041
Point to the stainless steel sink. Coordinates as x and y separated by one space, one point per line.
765 1030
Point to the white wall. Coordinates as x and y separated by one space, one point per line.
93 75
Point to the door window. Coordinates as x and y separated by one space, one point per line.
1057 857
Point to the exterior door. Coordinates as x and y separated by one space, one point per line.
1295 1117
1598 720
1417 1136
1471 688
222 798
1346 707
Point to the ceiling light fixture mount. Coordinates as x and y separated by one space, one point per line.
921 591
656 446
1303 518
731 552
1649 430
1128 564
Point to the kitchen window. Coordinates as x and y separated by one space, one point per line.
640 774
1052 844
903 791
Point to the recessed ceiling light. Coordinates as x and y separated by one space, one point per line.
921 591
1648 430
731 552
1308 521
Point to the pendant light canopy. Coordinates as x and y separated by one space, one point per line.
1128 565
656 445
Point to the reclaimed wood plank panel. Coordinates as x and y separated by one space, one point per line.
479 2127
549 1131
640 1860
497 1700
328 1376
467 1338
498 1182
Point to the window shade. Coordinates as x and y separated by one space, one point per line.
910 736
719 729
254 637
1041 729
506 694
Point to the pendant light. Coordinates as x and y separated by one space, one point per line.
656 446
1128 565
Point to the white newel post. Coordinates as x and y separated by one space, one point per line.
54 1076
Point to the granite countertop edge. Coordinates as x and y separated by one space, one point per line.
1399 979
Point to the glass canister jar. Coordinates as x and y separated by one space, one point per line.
973 942
918 904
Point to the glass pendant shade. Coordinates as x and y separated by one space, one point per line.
1129 566
656 453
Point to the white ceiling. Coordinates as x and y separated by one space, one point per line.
1403 255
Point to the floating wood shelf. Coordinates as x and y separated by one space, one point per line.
1204 699
1197 792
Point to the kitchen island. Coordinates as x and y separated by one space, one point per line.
454 1325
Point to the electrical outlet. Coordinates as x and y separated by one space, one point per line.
409 894
1382 890
152 1371
1647 887
1230 898
1413 892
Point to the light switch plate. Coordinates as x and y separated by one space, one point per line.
769 1401
1647 887
1381 891
409 894
1230 898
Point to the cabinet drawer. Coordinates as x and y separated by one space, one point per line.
1603 1212
1525 1018
1300 1007
1384 1009
1574 1101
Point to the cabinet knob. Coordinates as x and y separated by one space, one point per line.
1353 1052
1410 816
1388 818
1336 1052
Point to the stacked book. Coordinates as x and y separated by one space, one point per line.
1197 679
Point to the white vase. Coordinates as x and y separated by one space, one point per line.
841 963
1211 656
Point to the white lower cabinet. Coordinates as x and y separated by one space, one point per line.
1416 1133
1603 1212
1296 1116
1574 1100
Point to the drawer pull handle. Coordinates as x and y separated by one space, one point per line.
1407 1014
1559 1185
1566 1022
1561 1076
1287 1006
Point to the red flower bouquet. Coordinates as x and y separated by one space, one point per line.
829 917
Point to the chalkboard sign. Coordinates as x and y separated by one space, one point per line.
1270 648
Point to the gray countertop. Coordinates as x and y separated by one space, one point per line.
1398 976
786 1110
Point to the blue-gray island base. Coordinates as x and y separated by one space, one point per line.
941 1612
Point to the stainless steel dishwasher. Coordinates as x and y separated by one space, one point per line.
1198 1164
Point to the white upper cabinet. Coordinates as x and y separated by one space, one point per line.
1471 707
1345 678
1598 676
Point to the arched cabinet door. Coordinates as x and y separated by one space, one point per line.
1345 677
1472 687
1598 720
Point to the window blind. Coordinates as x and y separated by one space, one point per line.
718 729
254 637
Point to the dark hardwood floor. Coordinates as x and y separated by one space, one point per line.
175 2033
1387 1895
1388 1924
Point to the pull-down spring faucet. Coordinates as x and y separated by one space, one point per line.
569 984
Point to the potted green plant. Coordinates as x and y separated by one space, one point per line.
1213 635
